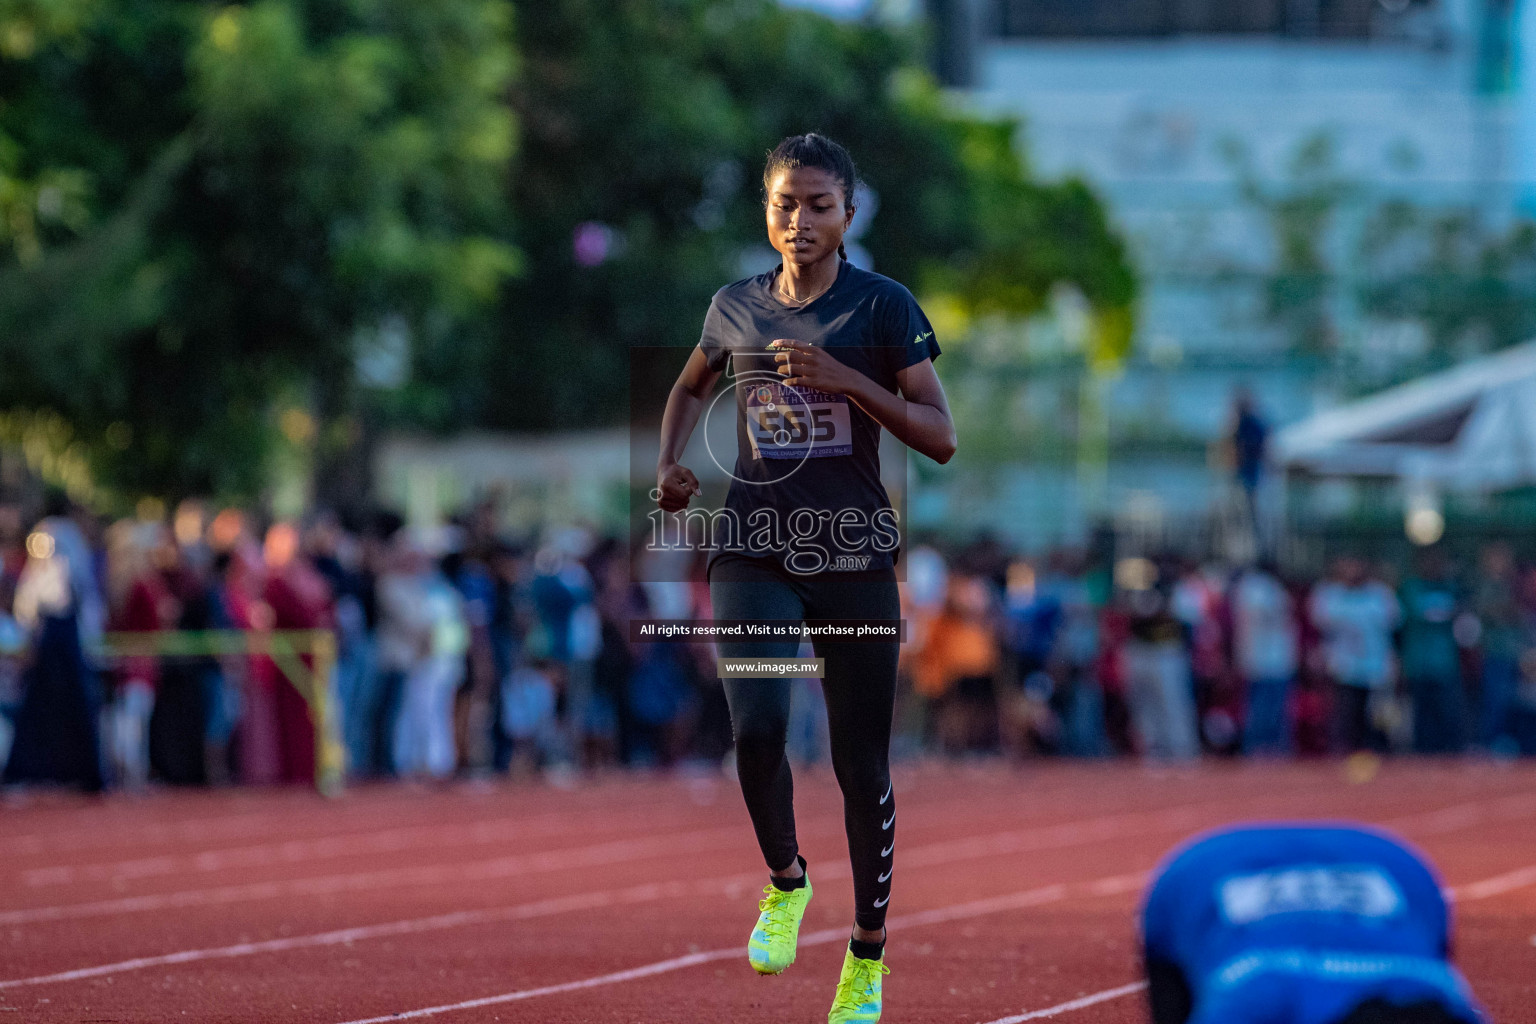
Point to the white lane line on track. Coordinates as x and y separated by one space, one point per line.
299 850
1043 837
1110 886
256 821
403 836
975 908
458 919
434 835
1017 841
499 867
1498 885
1465 815
1495 886
104 830
1074 1004
1489 887
303 851
940 915
106 833
933 854
1440 820
293 851
342 936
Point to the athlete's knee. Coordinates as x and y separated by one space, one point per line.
761 726
864 783
760 748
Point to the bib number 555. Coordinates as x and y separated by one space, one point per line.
821 428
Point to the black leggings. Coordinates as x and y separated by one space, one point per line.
860 690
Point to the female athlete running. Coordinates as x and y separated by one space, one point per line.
824 355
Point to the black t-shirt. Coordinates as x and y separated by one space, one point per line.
806 483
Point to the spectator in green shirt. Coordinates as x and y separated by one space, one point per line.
1431 659
1497 606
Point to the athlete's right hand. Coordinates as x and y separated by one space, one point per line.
677 485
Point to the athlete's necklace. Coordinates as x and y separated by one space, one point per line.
791 300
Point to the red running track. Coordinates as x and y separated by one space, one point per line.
628 899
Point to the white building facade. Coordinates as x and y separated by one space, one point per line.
1182 114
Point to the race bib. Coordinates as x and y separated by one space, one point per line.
1363 891
797 423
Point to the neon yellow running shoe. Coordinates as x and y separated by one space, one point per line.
772 945
858 998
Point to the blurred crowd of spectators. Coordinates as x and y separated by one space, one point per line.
458 652
1166 657
461 653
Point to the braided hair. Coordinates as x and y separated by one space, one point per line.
813 150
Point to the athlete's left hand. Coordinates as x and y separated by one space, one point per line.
807 366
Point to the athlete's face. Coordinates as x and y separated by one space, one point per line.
806 214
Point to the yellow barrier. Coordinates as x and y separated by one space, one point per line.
286 648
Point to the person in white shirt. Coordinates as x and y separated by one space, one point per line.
1356 615
1265 646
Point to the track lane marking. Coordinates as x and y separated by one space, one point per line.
974 908
1498 885
1488 887
343 936
292 851
260 821
426 875
1064 834
399 837
392 840
1061 835
1082 1002
1014 841
405 837
959 911
1465 815
124 826
434 874
425 834
1046 837
118 832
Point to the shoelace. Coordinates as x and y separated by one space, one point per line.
776 924
860 984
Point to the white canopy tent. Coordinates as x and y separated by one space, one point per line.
1471 428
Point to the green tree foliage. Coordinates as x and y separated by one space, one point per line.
223 200
652 118
1443 277
211 212
1471 285
1301 213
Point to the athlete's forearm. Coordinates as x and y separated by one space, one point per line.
923 428
677 423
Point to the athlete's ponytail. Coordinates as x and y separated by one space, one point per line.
813 150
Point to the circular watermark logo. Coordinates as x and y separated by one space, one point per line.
781 430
